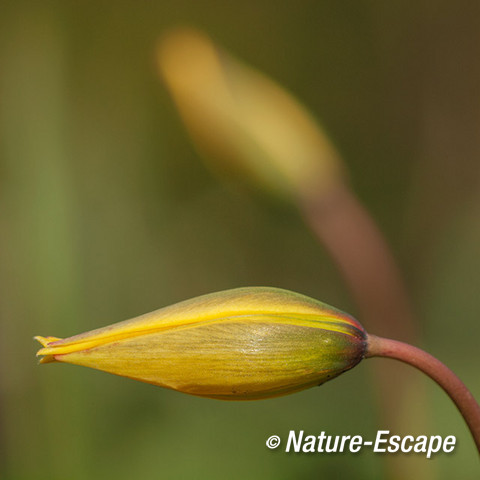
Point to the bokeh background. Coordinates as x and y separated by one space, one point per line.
107 212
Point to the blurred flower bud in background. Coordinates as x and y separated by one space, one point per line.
241 344
253 128
244 121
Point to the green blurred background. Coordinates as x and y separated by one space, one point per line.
106 212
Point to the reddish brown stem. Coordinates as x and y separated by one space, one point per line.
437 371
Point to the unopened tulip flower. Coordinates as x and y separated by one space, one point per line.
241 344
245 344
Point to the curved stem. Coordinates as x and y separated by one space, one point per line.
437 371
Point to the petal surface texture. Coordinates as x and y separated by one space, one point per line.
240 344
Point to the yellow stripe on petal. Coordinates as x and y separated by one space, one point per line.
239 344
241 301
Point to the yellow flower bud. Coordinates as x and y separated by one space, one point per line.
241 344
246 122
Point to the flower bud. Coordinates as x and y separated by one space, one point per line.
243 121
241 344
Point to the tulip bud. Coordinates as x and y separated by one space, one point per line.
241 344
246 122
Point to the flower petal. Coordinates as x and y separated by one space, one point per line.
240 344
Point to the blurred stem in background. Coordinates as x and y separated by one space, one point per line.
39 249
353 240
250 127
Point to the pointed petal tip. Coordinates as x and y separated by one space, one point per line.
45 341
47 359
